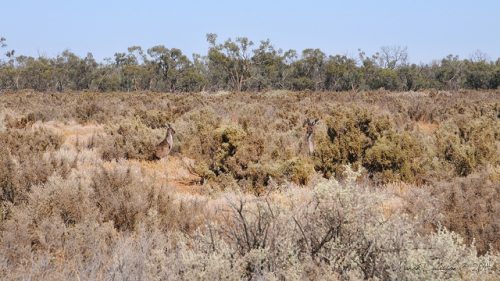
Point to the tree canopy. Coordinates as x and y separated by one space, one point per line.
242 65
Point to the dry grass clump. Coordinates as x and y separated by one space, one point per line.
58 226
76 222
127 198
2 121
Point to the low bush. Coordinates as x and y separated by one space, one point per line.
395 157
469 144
22 164
298 170
470 207
361 138
129 139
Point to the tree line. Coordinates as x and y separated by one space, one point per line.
241 65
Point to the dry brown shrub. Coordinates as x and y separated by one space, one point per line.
471 206
122 195
22 162
28 142
129 139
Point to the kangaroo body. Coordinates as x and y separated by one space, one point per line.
163 149
310 123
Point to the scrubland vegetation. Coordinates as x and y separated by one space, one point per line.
401 186
242 65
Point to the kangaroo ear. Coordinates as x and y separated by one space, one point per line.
306 122
316 121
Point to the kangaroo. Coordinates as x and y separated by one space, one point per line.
163 148
310 123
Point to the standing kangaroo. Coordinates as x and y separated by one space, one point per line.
310 123
163 148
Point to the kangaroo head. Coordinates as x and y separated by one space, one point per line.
310 124
170 129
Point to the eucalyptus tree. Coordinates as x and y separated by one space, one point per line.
341 73
495 80
35 73
127 64
169 65
239 66
309 70
266 66
8 72
194 77
380 69
392 57
134 72
9 54
270 67
479 71
450 72
230 61
72 72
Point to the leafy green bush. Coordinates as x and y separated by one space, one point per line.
395 157
154 118
298 170
466 145
351 132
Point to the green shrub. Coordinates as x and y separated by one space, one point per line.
154 118
230 141
466 145
298 170
395 157
351 132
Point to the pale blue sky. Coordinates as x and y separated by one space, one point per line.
430 29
